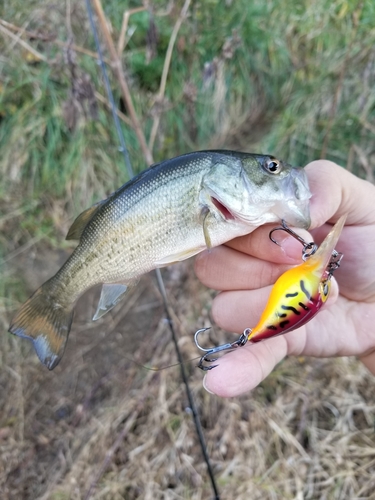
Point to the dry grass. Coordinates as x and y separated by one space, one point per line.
102 426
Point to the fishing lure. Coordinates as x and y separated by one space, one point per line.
296 297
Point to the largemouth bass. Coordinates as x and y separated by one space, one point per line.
169 212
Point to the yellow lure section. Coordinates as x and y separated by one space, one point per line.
300 292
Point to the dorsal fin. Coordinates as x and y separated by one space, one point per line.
78 226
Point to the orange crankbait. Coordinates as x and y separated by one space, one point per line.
297 295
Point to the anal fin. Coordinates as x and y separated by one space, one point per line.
111 295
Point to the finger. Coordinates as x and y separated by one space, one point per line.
337 192
226 269
258 243
242 370
236 310
369 361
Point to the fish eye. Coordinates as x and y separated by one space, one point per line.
273 166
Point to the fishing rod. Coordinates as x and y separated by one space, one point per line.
124 150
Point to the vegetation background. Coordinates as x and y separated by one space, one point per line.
292 78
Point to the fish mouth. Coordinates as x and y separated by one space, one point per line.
225 212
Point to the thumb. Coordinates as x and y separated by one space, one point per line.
245 368
336 192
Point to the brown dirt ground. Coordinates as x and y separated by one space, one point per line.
103 425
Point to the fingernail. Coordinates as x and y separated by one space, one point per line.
205 386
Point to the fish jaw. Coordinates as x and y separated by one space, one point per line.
295 208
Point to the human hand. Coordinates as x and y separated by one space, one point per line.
246 268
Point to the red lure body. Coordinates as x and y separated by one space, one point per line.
300 292
297 296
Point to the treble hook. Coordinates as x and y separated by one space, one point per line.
241 341
335 262
308 248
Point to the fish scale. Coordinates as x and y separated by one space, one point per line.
168 213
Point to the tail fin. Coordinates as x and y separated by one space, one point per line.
45 322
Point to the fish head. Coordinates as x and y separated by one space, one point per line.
260 189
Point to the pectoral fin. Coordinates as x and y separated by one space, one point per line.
109 297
